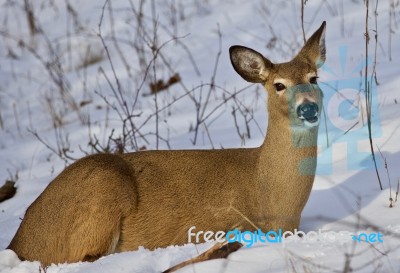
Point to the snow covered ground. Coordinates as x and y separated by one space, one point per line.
56 96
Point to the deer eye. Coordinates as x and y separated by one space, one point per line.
313 80
279 86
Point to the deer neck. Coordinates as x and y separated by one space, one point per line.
286 169
286 147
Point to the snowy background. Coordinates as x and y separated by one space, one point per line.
66 68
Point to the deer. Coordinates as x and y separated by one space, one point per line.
110 203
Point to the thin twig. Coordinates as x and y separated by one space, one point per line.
303 3
388 176
368 94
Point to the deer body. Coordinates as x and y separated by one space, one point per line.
108 203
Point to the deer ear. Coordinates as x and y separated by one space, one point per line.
314 50
250 64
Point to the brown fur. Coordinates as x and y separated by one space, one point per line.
111 203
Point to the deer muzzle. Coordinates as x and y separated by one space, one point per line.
308 112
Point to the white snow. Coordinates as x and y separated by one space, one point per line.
343 198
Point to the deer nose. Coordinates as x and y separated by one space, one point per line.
308 111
